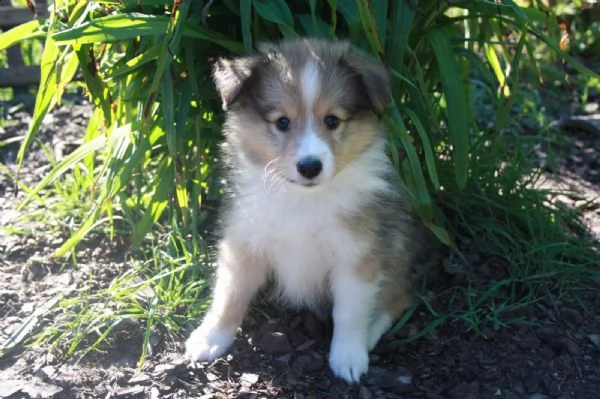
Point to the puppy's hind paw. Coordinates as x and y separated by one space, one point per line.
348 362
206 344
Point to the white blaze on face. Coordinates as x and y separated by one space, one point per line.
310 80
311 144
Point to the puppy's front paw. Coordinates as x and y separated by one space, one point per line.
206 343
348 361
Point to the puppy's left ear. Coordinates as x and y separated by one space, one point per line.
374 80
233 76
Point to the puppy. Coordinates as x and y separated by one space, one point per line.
314 203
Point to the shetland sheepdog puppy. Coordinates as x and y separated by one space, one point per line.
313 201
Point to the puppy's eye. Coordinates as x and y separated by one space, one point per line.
331 122
283 124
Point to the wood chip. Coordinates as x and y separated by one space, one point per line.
249 378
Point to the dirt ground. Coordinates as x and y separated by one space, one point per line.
556 355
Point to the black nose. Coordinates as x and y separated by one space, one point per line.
309 167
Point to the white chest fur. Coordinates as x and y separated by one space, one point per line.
300 232
302 239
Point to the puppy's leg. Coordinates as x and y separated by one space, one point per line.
379 326
239 276
354 300
394 299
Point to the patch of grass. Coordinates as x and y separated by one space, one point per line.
519 224
518 246
161 288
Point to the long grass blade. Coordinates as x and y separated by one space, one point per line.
57 69
245 18
456 102
427 147
165 176
28 30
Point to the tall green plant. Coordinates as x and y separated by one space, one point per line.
145 65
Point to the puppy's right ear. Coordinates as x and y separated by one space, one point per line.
233 76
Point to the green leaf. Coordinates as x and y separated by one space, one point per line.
314 27
128 26
349 11
245 18
401 25
428 329
113 28
149 55
57 69
456 102
276 11
414 171
367 20
334 12
168 108
28 30
492 57
165 178
90 222
313 16
441 233
93 130
198 32
521 16
427 147
65 164
380 13
170 46
97 88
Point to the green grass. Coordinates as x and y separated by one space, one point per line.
162 292
465 79
162 287
531 244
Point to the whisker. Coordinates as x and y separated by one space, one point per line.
275 178
267 170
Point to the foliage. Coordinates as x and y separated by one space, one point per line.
148 158
145 67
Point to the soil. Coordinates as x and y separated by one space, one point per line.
556 354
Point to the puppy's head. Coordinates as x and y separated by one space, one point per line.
302 110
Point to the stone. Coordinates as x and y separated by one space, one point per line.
10 387
595 340
249 379
398 380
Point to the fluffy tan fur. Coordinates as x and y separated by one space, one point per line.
342 237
